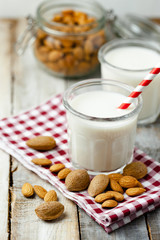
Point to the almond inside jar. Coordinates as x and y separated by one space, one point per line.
74 53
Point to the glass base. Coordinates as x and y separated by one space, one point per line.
51 72
91 172
149 120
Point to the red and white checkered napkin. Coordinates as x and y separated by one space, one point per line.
49 119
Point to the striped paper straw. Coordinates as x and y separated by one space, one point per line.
139 89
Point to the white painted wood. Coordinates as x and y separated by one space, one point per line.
5 108
31 87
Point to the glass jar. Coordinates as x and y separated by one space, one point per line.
129 61
68 35
98 143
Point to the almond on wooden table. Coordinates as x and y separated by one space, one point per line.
42 143
50 196
49 210
63 173
57 167
27 190
42 161
40 191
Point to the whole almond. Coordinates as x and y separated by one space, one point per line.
42 161
135 169
109 195
40 191
118 196
115 186
77 180
102 197
27 190
98 184
135 191
50 196
49 210
63 173
115 176
109 204
57 167
128 182
139 184
42 143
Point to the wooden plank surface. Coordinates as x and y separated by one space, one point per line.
25 85
5 110
31 88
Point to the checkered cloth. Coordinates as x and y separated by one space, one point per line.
50 119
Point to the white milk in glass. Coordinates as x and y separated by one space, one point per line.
130 64
100 146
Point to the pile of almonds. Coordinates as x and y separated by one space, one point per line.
74 53
118 183
45 143
78 180
51 208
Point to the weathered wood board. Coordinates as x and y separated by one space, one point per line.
24 85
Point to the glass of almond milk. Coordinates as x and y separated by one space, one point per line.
101 136
129 61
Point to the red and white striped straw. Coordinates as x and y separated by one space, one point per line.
139 89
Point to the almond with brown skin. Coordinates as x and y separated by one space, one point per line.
109 195
135 169
98 184
57 167
109 204
132 192
77 180
40 191
115 186
118 196
49 210
50 196
139 184
42 161
27 190
63 173
115 176
42 143
128 182
103 197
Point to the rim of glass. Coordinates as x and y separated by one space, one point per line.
95 81
46 5
117 43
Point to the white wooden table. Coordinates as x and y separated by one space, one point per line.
23 85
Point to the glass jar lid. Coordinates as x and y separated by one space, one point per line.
132 26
